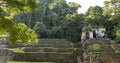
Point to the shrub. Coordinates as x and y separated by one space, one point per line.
96 47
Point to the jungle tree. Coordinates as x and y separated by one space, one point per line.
18 32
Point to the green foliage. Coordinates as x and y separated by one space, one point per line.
40 29
113 47
73 22
18 32
112 14
21 33
54 19
94 16
5 25
15 7
117 32
96 47
20 50
57 19
74 6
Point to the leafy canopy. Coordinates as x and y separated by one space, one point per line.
18 32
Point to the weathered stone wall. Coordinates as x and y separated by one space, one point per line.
5 55
48 50
62 51
43 57
105 55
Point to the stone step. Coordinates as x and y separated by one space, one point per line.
48 49
103 47
42 45
43 49
28 62
49 39
3 46
101 41
62 44
5 52
106 47
5 55
117 46
43 57
109 57
53 42
56 45
57 41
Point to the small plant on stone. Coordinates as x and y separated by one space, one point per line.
97 47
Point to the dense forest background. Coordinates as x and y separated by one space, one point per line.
58 19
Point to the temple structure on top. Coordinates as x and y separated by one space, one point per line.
89 32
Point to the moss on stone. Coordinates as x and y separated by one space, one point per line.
97 47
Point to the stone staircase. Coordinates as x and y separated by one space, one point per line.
62 51
106 55
48 50
104 43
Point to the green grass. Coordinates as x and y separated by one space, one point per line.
113 47
21 50
2 35
28 62
55 50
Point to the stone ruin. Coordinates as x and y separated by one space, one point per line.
89 32
87 53
5 53
4 40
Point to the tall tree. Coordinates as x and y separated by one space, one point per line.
49 19
112 12
7 25
72 26
94 16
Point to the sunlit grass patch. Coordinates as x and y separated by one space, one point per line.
17 49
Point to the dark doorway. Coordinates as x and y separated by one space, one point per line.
94 34
87 35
